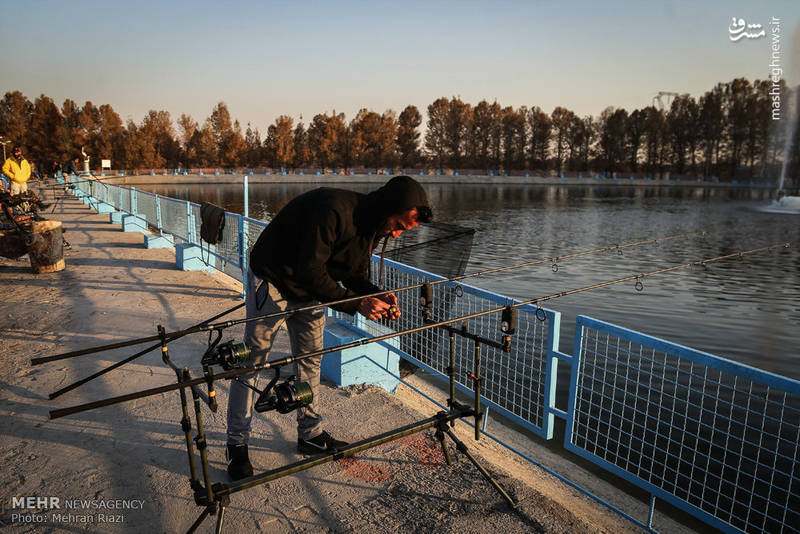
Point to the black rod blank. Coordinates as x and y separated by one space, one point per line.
54 414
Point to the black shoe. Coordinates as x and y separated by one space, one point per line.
239 465
319 444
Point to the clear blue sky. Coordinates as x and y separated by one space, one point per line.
265 58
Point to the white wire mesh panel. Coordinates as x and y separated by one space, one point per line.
718 436
124 199
174 217
254 229
228 248
514 381
99 190
146 207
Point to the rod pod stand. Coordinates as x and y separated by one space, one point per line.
204 494
215 497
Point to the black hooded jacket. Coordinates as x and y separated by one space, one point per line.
326 236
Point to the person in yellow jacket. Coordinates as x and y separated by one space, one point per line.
18 171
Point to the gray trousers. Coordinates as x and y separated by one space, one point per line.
306 330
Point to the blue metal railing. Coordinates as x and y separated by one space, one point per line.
181 219
715 438
516 384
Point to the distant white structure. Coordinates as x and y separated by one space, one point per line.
85 162
668 94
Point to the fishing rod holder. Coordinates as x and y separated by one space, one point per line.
426 300
289 395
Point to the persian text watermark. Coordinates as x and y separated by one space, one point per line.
739 29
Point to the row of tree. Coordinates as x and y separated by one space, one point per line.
730 127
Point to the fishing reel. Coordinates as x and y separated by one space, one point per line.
284 397
228 355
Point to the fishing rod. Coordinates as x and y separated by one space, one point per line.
81 180
120 363
215 326
54 414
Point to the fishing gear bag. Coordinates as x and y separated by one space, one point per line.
212 219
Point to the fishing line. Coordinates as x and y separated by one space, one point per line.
227 324
54 414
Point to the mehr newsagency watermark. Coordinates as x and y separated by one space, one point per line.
56 510
739 30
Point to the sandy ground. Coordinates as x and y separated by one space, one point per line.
132 455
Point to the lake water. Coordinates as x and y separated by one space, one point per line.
747 309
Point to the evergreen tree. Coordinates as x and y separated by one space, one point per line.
187 126
46 135
654 136
612 146
408 136
736 97
252 139
540 127
301 150
563 120
514 137
435 136
457 123
634 132
236 149
222 128
711 127
110 136
15 117
327 140
280 142
484 119
76 138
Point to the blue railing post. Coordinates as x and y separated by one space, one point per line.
158 214
243 255
244 237
133 201
190 224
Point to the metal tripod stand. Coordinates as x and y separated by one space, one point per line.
214 498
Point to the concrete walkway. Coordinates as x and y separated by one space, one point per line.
132 455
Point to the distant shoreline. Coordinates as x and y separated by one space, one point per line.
425 179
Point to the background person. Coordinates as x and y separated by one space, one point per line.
18 171
71 167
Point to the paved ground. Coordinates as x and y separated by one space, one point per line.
132 455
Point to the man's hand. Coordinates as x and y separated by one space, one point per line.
373 308
379 308
390 299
